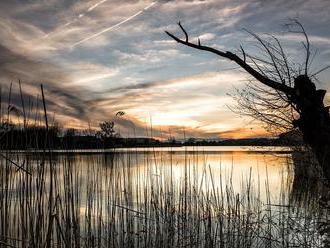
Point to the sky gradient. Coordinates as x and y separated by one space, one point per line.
97 57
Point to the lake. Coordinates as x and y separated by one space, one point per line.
103 195
221 165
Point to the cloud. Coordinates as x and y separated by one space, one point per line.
314 39
136 67
114 26
33 73
186 101
207 36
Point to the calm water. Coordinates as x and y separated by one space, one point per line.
263 169
146 196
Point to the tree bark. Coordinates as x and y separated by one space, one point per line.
314 121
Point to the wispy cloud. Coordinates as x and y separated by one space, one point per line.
108 29
122 60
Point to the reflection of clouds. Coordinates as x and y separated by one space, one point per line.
214 171
206 172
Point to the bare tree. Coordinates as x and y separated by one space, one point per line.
107 129
282 94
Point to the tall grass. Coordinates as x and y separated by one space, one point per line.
110 200
104 201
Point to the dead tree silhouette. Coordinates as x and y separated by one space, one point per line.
283 92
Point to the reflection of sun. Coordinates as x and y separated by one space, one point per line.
215 172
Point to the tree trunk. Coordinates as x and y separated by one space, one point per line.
314 121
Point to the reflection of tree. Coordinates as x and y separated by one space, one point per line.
283 95
307 185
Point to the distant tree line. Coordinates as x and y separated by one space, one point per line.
38 137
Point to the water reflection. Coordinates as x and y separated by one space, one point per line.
205 169
208 168
98 193
265 171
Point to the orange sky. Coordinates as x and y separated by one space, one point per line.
98 57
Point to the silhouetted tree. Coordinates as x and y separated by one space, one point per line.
107 133
107 129
283 95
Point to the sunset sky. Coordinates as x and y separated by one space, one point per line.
97 57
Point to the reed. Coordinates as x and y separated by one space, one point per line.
110 200
106 202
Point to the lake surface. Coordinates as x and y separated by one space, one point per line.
147 197
209 168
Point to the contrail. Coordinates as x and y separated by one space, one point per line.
114 26
95 5
149 6
79 16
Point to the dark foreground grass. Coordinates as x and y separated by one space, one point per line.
65 202
61 201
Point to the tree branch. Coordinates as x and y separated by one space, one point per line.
231 56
